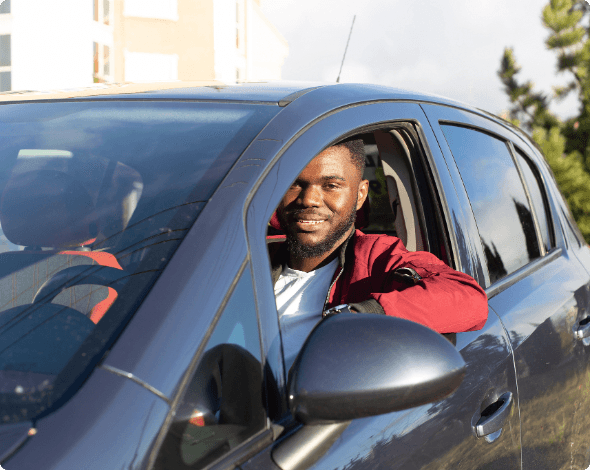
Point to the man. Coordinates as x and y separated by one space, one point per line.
324 262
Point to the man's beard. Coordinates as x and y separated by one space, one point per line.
301 250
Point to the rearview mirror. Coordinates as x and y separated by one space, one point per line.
357 365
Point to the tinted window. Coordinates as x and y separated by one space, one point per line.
95 197
538 198
223 403
498 199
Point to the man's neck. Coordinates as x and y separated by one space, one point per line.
310 264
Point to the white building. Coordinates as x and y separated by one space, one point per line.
47 44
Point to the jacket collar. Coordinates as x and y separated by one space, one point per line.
279 256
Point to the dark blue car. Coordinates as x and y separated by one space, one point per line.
138 325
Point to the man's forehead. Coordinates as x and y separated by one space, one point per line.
333 161
336 155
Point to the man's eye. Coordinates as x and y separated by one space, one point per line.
331 185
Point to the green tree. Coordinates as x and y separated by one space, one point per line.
566 144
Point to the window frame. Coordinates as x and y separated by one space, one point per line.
544 194
310 140
441 115
509 149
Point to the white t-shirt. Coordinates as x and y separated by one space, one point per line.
300 298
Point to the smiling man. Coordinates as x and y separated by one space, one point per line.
326 266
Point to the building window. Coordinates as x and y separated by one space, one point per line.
106 11
5 60
5 81
95 15
5 6
101 66
107 65
95 57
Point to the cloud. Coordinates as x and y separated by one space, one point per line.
451 47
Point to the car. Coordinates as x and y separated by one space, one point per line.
138 324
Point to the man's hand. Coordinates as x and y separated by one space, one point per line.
343 308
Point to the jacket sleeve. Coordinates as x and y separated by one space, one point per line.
443 299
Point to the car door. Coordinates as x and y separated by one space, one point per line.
535 283
439 435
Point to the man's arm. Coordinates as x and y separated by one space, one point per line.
439 297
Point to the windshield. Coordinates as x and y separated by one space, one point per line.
95 197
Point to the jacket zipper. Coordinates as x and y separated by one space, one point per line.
331 286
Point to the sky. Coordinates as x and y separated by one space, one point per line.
450 48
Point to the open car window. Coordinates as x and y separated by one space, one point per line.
95 197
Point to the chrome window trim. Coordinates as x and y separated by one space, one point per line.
137 380
523 272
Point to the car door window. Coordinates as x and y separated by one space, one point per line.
499 202
538 198
222 405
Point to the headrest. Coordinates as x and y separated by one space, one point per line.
46 208
54 199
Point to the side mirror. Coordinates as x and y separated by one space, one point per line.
352 366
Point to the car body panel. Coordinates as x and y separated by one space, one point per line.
128 401
541 306
107 411
397 440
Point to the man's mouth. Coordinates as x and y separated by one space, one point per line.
310 222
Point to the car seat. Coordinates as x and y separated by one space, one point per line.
395 156
56 206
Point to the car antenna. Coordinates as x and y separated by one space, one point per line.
345 49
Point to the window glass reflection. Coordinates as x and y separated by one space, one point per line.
498 199
538 197
223 404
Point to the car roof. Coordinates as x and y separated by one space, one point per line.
276 92
273 92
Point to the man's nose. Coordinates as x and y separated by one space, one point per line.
310 196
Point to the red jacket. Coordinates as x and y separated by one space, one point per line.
443 299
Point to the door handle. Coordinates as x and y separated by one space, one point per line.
583 330
493 418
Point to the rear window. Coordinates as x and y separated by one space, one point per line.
95 197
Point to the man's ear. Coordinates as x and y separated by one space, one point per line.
363 192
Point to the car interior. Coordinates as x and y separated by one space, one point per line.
52 284
400 201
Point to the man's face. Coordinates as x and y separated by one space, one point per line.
318 211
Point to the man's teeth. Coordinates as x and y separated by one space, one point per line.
312 222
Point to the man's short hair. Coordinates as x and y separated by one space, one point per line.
356 147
